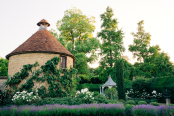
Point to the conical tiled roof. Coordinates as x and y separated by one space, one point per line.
41 42
109 82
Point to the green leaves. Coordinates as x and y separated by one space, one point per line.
75 25
3 67
59 86
141 43
76 35
120 79
112 39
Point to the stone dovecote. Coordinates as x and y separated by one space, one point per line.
41 46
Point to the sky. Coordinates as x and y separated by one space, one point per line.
19 18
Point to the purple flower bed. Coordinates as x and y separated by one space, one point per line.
56 109
149 110
86 109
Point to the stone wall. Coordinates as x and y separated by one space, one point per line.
2 82
17 61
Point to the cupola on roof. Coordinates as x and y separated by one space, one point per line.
41 42
43 21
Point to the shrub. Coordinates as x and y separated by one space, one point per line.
96 93
21 98
64 100
121 100
112 102
111 93
128 84
131 102
140 86
139 99
142 102
85 95
95 80
91 87
2 97
84 79
128 109
129 94
100 99
154 103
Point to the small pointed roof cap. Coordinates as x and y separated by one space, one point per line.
109 82
43 21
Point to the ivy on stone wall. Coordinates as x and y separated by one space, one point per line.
60 81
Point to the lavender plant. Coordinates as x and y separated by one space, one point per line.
62 110
149 110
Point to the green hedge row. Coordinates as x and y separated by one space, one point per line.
91 87
96 87
160 84
91 80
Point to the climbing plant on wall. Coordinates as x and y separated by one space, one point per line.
60 81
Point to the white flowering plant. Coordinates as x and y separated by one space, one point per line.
129 94
143 94
86 96
24 97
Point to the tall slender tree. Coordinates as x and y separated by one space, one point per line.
112 39
120 79
141 43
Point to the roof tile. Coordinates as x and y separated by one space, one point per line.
41 41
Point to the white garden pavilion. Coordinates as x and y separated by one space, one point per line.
109 83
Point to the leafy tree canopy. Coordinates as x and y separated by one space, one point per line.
3 67
141 43
112 39
76 35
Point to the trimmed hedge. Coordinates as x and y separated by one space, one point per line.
91 80
91 87
160 84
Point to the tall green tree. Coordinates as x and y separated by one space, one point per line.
141 43
75 26
120 79
112 39
76 35
3 67
163 66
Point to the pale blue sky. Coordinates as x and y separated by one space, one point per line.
19 18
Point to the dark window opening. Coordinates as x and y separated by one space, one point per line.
63 60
